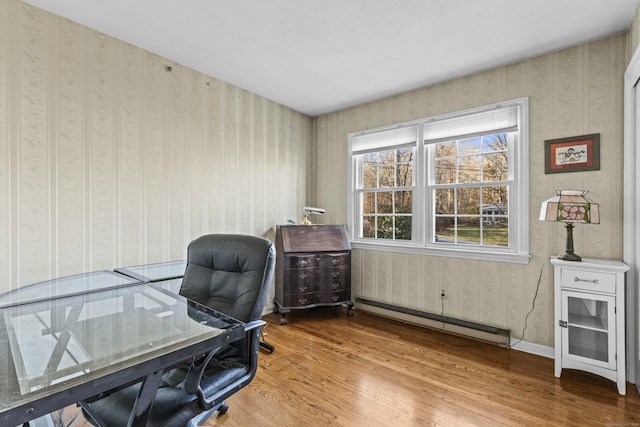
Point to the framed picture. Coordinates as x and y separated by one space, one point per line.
578 153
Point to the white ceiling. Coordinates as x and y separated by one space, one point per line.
318 56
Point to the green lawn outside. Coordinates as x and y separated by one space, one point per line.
498 235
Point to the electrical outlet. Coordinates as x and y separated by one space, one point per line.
443 295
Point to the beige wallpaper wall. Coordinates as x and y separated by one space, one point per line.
572 92
109 158
634 34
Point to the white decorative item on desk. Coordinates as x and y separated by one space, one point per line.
311 210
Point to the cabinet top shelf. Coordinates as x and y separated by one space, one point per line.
586 263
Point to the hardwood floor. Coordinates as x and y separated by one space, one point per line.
330 369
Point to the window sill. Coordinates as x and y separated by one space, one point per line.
479 255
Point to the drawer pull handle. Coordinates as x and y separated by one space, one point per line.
336 285
336 261
303 288
577 279
335 298
302 276
335 274
302 263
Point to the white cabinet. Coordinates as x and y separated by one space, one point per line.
589 318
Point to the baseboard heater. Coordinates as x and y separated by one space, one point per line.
490 334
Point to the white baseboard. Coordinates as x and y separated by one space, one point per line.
537 349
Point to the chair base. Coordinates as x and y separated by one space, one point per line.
266 346
197 421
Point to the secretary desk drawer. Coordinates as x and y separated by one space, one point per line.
311 298
317 274
331 285
321 260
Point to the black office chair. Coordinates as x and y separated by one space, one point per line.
231 274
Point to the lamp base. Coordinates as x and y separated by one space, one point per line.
570 257
568 254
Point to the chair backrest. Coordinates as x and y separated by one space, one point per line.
230 273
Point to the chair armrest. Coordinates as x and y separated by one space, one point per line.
217 395
196 370
253 325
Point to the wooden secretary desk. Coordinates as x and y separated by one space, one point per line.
313 268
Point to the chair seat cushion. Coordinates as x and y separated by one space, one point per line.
171 401
170 407
219 378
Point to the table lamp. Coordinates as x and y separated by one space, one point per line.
308 210
570 206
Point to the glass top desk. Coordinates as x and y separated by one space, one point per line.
57 349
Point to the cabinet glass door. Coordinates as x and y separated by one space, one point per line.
588 328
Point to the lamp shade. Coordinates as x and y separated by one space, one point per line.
570 206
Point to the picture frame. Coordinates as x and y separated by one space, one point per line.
574 154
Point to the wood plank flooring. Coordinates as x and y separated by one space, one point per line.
332 370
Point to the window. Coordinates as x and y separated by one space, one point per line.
454 185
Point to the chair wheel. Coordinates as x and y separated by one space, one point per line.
223 409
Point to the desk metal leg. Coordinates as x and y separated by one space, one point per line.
146 395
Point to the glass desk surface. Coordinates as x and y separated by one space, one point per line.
66 286
49 346
155 272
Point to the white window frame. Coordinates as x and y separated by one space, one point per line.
422 222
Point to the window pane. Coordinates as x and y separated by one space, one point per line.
446 149
468 201
404 176
370 159
496 142
386 176
470 146
495 231
385 202
469 230
403 202
445 229
370 177
498 197
445 172
404 155
368 226
369 203
469 169
403 227
495 167
386 157
445 201
495 220
385 227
